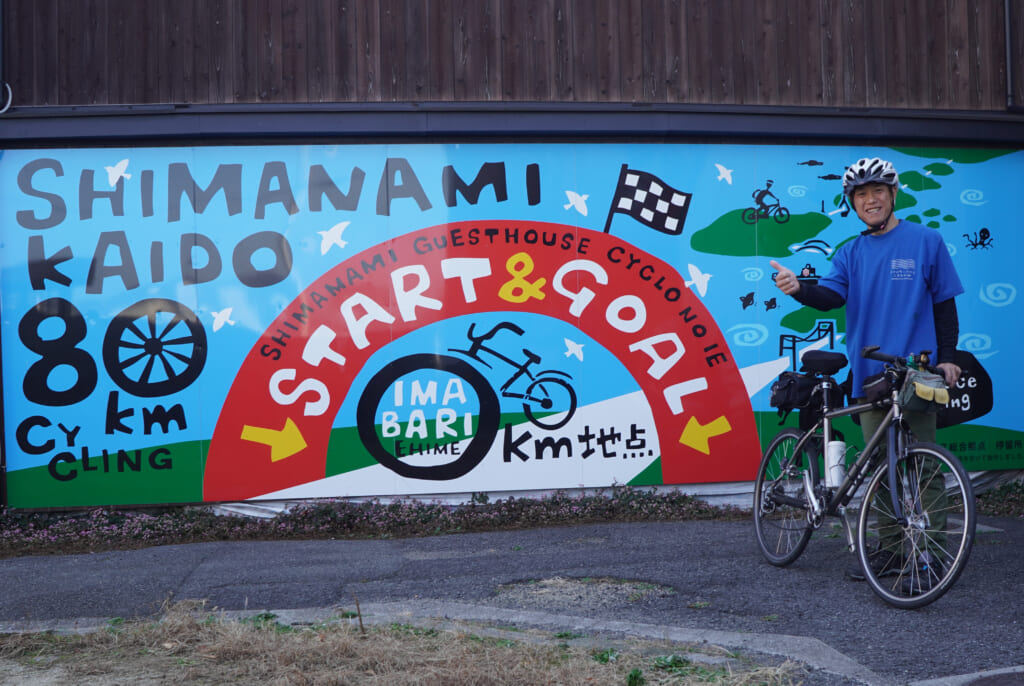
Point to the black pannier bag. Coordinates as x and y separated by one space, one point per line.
796 391
791 391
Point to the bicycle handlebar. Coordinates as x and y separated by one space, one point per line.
921 360
871 352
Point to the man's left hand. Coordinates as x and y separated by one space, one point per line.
950 371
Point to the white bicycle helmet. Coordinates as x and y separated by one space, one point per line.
869 170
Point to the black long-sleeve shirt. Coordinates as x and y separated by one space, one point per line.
947 322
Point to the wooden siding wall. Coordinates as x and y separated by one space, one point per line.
928 54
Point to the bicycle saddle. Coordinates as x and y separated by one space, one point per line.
822 361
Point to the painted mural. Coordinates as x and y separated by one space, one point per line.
221 323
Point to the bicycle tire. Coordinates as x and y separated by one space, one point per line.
783 527
781 215
749 215
562 412
936 539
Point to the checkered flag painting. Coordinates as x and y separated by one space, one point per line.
650 201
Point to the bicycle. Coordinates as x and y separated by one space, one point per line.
917 497
752 215
546 390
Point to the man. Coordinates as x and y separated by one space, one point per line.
898 284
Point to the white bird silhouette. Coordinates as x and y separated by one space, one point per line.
332 236
573 349
578 201
724 174
698 279
115 173
221 318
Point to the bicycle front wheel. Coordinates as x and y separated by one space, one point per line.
781 509
921 538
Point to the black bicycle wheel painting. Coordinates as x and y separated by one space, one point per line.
155 347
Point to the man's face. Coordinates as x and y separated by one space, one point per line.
873 202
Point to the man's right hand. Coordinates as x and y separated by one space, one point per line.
786 280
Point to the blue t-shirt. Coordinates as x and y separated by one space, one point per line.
890 283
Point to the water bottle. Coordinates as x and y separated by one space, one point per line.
835 463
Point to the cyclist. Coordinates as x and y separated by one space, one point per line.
764 208
899 287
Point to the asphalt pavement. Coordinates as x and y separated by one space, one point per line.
691 581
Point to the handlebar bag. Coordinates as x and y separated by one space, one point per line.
878 387
923 392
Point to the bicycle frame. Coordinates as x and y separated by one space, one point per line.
890 430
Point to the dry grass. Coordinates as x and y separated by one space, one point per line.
193 645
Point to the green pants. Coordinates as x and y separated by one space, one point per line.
933 497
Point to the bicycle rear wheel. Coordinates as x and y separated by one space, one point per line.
932 541
781 509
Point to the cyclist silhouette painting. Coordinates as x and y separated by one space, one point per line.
764 209
759 197
899 286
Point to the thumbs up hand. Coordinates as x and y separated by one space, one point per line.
786 280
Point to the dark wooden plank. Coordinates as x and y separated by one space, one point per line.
1017 57
370 72
991 51
70 54
698 55
269 61
653 35
539 80
958 58
322 36
790 74
878 50
750 50
345 45
514 33
116 79
392 50
562 39
416 66
679 67
893 69
719 57
219 53
604 53
810 62
247 63
148 64
183 52
831 53
18 53
919 87
938 48
978 46
630 51
468 22
440 37
853 40
40 49
477 50
293 51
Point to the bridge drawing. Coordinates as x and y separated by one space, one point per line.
822 329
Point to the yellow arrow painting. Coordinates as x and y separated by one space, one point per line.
697 435
283 442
